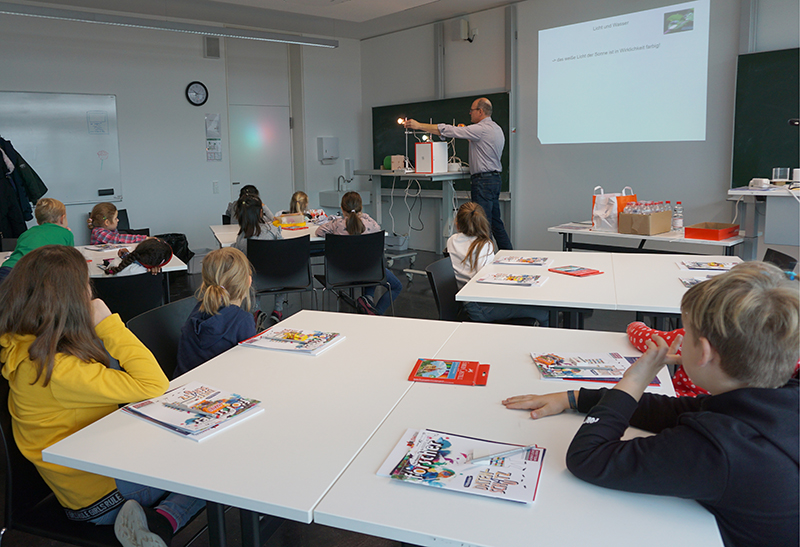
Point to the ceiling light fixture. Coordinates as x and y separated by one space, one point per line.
154 24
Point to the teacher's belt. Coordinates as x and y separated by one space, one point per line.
484 174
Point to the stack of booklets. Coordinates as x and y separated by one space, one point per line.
524 280
442 371
311 342
710 265
577 271
444 460
194 410
593 367
524 260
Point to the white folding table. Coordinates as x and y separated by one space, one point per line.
319 412
567 511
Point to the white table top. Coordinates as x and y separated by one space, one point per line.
95 258
594 292
411 175
675 236
567 511
771 191
319 412
632 282
226 233
651 282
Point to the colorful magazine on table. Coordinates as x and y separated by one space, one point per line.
524 260
524 280
441 371
689 282
444 460
194 410
577 271
311 342
711 265
592 367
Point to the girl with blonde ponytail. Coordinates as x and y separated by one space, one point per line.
222 316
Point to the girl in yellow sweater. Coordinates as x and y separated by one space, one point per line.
54 341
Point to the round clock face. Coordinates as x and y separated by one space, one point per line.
196 93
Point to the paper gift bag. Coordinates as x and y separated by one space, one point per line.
607 207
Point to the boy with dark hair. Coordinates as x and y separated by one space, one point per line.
734 451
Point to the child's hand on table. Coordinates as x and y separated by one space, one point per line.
539 405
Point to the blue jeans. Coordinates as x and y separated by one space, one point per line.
492 313
486 193
388 297
181 508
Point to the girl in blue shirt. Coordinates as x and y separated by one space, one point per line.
222 318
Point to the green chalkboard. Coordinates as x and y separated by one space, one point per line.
767 97
388 138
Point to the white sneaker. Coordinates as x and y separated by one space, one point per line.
132 530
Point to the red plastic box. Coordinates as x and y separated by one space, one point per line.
715 231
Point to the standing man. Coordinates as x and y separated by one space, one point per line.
486 142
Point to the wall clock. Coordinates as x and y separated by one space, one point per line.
196 93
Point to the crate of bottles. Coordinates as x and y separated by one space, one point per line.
645 218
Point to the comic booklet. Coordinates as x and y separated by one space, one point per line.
524 260
513 279
593 367
194 410
312 342
442 371
713 266
577 271
444 460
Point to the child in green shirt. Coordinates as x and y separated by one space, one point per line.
51 215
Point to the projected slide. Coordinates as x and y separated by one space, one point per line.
639 77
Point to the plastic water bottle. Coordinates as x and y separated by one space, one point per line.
677 216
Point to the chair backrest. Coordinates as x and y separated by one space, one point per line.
280 264
226 219
781 260
160 331
24 487
8 244
130 295
124 223
443 282
30 506
354 260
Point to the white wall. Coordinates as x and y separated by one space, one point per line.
332 108
166 179
554 182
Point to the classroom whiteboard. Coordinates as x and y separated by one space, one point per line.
69 139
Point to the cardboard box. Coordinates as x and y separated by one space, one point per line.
715 231
645 225
431 157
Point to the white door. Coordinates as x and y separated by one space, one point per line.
261 152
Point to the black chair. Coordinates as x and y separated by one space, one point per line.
160 330
8 244
781 260
354 262
281 265
124 225
131 295
226 219
30 505
443 282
